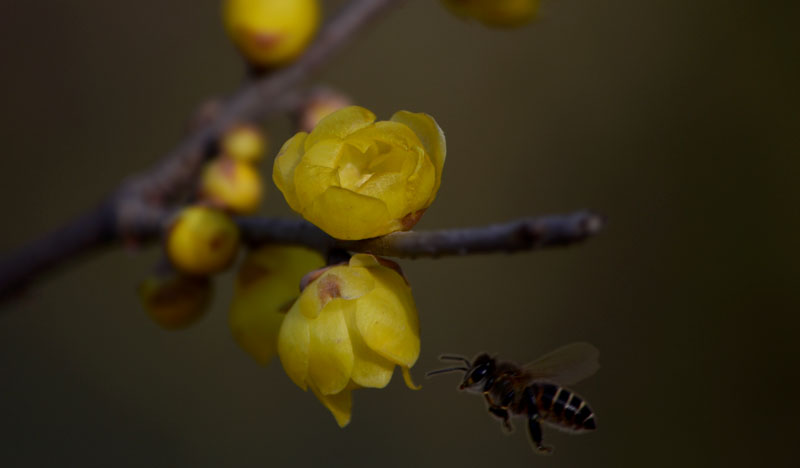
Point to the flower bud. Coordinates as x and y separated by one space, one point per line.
175 301
267 285
356 178
348 329
231 184
271 32
319 106
202 241
496 13
244 143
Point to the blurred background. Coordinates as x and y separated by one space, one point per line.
676 118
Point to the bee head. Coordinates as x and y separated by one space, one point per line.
476 377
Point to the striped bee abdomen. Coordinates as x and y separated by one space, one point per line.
562 407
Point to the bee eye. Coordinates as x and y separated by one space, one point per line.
478 374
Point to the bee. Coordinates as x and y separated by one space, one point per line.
534 391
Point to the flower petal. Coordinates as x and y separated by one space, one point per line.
294 340
387 318
431 136
364 260
285 163
340 124
408 380
325 153
347 215
394 133
340 404
369 368
330 351
311 181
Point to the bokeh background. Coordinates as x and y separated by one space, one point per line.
678 119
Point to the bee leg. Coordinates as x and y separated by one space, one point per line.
502 413
499 412
535 431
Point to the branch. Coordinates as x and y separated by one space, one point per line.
517 235
256 99
133 210
139 209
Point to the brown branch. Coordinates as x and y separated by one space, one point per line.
134 210
256 99
138 211
517 235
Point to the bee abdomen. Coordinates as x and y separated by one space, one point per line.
564 408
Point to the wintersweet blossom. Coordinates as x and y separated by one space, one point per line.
350 327
356 178
271 32
202 240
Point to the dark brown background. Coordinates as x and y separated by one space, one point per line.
678 119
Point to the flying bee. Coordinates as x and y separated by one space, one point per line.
533 391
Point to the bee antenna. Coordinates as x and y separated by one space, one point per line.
446 357
449 369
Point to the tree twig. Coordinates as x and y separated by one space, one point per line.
140 201
521 234
256 99
138 211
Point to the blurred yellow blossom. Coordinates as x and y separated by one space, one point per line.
271 32
319 106
231 184
497 13
202 240
266 286
356 178
173 300
245 143
351 325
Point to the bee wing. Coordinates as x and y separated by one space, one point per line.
566 365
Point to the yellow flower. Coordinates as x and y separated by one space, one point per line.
231 184
498 13
202 241
244 143
175 301
266 286
271 32
349 328
356 178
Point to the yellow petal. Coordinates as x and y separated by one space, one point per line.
340 404
347 215
394 133
324 153
431 136
330 352
336 282
364 260
421 187
408 380
294 341
340 124
387 318
285 163
312 181
369 368
393 190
